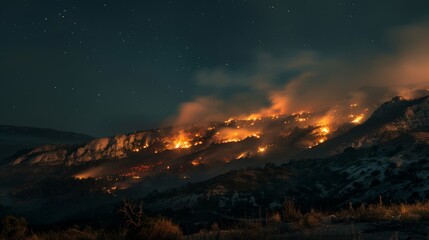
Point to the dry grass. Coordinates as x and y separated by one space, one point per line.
76 233
290 223
161 229
345 224
291 211
378 212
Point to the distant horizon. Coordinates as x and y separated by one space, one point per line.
136 130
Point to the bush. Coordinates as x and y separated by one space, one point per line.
311 219
160 228
291 211
14 228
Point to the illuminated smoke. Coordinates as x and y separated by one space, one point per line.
311 82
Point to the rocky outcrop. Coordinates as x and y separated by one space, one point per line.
102 148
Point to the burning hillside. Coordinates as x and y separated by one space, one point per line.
137 163
195 151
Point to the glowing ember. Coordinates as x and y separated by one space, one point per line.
242 155
252 117
325 130
228 135
195 163
136 171
262 149
81 176
229 121
182 144
358 119
181 141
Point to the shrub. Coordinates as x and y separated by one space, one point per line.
14 228
160 228
312 219
275 218
291 211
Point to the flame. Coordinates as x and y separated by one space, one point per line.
229 121
325 130
228 135
252 117
136 171
358 119
90 173
242 155
82 176
195 163
180 141
262 149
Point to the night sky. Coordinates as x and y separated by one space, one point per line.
108 67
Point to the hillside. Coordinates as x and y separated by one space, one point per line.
318 163
13 138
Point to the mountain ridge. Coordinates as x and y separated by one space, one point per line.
18 138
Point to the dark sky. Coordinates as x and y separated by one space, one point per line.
107 67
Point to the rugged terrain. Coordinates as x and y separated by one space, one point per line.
231 168
14 139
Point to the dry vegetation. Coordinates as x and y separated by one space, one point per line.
362 222
375 221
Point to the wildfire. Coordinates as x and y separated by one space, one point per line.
321 134
252 117
82 176
325 130
136 171
358 119
90 173
230 135
112 189
195 163
181 141
262 149
182 144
